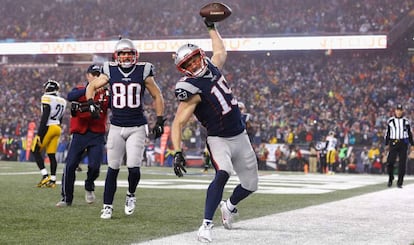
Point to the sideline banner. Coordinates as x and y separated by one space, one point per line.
171 45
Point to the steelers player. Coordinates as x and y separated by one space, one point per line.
331 143
48 133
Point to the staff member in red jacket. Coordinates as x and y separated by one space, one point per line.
88 136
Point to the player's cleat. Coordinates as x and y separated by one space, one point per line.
63 204
90 197
43 181
204 233
106 212
130 201
50 184
227 216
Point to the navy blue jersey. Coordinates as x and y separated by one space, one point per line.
218 111
127 93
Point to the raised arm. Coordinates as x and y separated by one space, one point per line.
219 49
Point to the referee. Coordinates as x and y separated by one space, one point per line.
396 142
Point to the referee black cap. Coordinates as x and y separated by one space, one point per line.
399 107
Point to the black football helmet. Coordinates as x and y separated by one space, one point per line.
51 87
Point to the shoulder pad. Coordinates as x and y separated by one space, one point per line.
184 90
181 94
46 99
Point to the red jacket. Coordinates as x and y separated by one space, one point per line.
83 121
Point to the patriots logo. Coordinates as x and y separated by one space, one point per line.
181 94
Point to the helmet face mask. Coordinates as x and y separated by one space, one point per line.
51 87
125 54
189 59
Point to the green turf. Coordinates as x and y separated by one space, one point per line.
28 214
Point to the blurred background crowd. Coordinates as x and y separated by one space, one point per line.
294 98
103 19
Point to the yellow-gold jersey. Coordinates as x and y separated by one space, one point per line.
57 108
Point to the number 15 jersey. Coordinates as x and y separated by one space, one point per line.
218 111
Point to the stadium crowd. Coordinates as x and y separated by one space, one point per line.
293 98
106 20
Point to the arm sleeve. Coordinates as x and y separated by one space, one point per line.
76 93
43 121
387 135
410 135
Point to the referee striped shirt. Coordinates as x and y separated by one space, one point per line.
398 129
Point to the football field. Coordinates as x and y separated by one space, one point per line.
288 208
383 217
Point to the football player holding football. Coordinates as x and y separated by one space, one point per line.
48 133
128 79
205 93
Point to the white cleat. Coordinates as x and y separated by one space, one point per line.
204 233
90 197
130 201
106 212
62 204
227 216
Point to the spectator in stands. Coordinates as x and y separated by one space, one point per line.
365 160
352 166
373 154
343 157
313 158
283 17
262 154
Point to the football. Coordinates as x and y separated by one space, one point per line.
215 12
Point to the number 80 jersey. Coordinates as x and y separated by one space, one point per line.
218 111
127 93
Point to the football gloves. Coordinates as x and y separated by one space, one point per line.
210 25
179 163
158 129
93 109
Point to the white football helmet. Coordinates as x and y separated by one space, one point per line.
126 46
187 54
